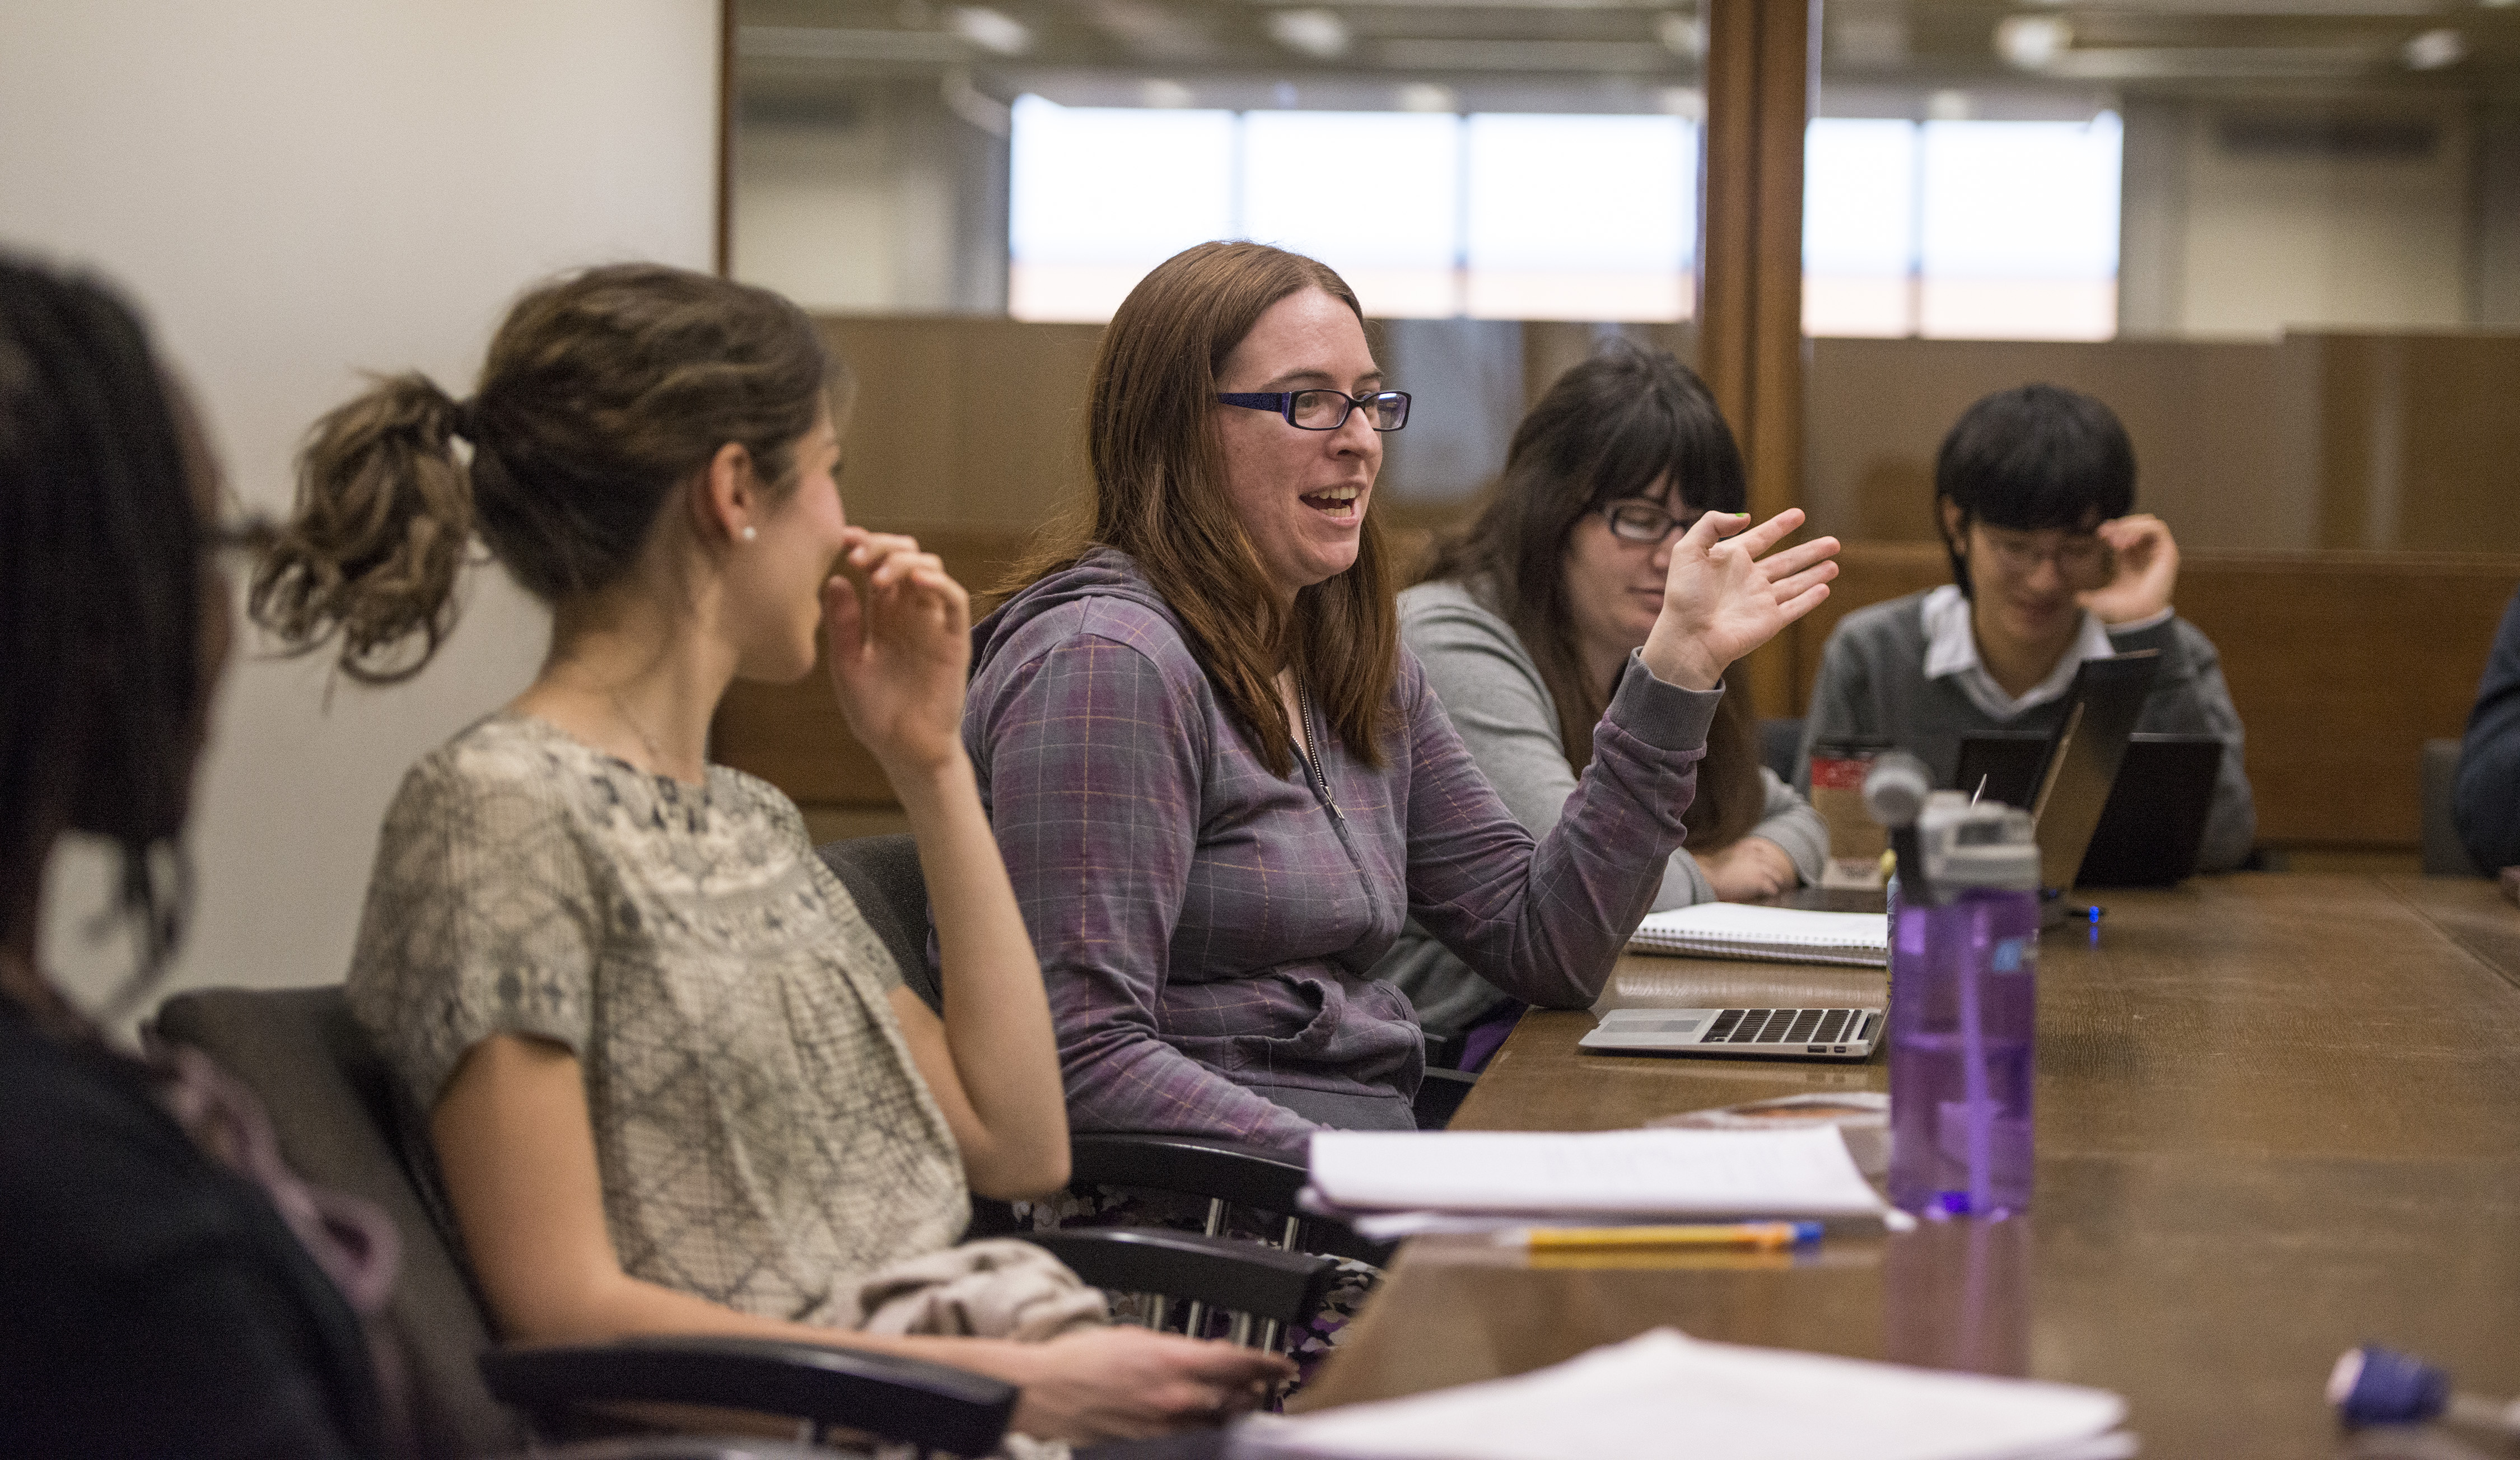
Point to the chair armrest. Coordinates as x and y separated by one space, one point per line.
1198 1166
907 1400
680 1447
1439 1095
1243 1277
1190 1165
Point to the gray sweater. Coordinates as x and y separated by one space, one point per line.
1490 687
1872 684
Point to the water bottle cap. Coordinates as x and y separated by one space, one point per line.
1984 845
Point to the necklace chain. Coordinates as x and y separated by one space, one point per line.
655 753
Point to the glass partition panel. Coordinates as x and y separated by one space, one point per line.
2281 239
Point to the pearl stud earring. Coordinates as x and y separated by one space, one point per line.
750 532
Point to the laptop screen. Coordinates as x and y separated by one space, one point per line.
2083 759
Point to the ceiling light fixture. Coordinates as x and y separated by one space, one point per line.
2435 49
1682 34
1318 33
991 29
1422 96
2032 42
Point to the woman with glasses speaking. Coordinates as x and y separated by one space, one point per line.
1525 626
2034 493
1222 784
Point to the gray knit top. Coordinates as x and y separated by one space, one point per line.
762 1132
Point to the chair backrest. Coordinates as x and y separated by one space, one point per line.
882 876
1780 745
2444 855
343 1122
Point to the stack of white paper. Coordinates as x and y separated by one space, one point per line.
1665 1394
1388 1183
1788 934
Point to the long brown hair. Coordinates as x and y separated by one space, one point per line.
604 391
1156 492
1608 428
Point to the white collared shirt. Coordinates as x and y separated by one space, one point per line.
1950 649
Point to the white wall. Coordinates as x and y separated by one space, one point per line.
2231 245
881 197
295 191
816 215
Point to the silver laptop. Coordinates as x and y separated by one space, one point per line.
1759 1033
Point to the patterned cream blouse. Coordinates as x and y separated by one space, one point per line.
762 1132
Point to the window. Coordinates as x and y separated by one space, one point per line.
1375 195
1426 214
1097 195
1984 230
1581 217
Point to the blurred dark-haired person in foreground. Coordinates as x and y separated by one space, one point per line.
2033 495
1525 623
154 1298
2488 804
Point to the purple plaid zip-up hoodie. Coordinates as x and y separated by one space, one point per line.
1207 928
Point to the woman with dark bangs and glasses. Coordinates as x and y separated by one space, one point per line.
1525 624
154 1299
2033 494
1221 783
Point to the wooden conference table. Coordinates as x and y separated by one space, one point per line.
2277 1116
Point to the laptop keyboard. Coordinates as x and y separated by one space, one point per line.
1789 1026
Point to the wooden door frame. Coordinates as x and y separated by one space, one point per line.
1762 64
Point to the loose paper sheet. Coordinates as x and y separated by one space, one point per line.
1664 1394
1707 1173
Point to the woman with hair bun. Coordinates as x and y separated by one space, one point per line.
673 1080
1221 783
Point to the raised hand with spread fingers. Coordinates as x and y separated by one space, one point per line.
1726 594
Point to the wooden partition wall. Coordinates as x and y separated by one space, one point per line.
2342 661
2316 441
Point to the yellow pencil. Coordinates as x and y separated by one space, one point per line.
1765 1235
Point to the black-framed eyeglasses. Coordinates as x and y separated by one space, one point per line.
1637 520
1326 410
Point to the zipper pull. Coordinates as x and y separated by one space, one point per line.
1321 777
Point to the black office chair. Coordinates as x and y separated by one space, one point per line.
2444 855
882 873
344 1121
1780 746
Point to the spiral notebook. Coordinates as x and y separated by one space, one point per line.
1783 934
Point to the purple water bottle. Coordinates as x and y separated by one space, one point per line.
1963 975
